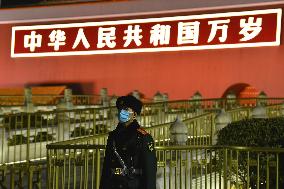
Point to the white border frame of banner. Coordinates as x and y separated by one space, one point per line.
278 11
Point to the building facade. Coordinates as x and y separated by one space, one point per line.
180 73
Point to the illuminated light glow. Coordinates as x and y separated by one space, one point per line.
136 36
23 161
161 140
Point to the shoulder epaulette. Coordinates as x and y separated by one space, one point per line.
142 131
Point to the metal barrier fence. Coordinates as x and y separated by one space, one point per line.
79 166
25 175
200 128
22 157
24 136
212 103
200 131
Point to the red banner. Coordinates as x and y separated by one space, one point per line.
195 32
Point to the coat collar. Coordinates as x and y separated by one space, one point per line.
132 127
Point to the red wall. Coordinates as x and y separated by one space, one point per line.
180 74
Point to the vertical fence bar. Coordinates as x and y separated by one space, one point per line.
225 168
86 175
28 137
237 172
212 128
186 168
248 172
170 169
98 165
64 168
47 182
94 122
190 173
81 168
230 167
57 169
277 170
267 171
210 167
180 169
93 168
205 164
257 184
69 168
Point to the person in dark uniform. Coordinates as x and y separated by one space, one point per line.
130 159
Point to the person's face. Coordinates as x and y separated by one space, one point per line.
126 116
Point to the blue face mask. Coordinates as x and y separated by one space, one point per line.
124 116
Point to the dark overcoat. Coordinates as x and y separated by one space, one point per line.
136 148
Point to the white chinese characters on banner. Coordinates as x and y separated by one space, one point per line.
106 37
160 35
188 32
57 39
32 41
218 25
250 29
132 34
81 37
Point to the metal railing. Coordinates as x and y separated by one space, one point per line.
211 103
24 135
200 129
42 128
79 166
28 133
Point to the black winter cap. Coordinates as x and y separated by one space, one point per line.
129 101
